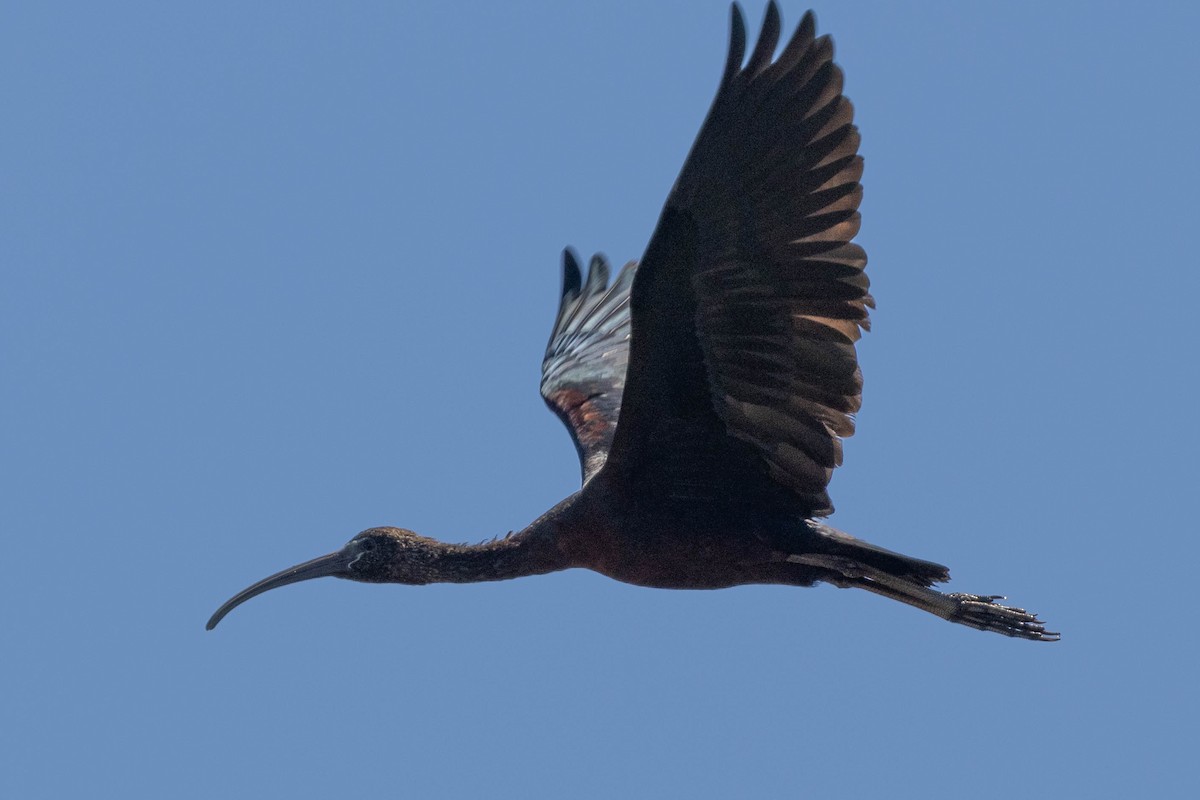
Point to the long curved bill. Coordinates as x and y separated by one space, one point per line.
333 564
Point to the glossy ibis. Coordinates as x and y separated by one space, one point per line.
709 387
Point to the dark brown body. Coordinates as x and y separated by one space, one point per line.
603 530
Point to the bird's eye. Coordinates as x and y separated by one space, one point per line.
367 544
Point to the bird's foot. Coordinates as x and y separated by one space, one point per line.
983 612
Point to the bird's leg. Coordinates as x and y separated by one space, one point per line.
977 611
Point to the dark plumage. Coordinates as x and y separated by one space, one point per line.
707 389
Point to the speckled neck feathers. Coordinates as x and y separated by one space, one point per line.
427 560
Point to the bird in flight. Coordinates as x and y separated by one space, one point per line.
708 388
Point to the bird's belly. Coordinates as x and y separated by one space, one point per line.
694 561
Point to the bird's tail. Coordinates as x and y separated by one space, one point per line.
852 563
831 541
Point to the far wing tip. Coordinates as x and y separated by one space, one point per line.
572 277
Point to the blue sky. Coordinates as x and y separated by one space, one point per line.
275 274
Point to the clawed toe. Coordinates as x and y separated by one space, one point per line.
984 613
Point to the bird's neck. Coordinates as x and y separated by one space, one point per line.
514 556
538 549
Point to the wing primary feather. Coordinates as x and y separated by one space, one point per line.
571 282
737 43
572 277
768 39
597 280
798 45
589 296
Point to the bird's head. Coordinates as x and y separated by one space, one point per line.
377 555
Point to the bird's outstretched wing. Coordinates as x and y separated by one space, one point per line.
746 307
583 373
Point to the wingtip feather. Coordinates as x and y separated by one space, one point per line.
598 271
768 40
572 277
737 42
